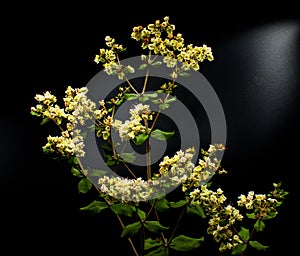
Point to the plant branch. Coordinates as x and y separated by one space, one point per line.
178 221
129 170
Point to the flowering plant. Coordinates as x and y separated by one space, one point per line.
139 191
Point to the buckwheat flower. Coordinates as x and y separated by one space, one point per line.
260 197
250 195
65 145
205 169
129 129
170 61
246 201
126 190
242 200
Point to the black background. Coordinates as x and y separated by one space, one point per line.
255 74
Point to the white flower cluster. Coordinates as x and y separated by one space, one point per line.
133 127
65 145
160 38
178 167
205 169
77 110
109 58
47 108
127 190
222 217
172 170
262 203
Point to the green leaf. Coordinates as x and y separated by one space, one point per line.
237 250
251 215
34 113
45 120
76 172
154 226
164 106
161 135
141 214
178 204
184 243
258 245
73 160
142 67
123 209
110 162
196 210
244 234
94 207
162 205
128 157
84 185
130 96
160 251
131 229
151 95
157 101
140 139
156 64
259 225
143 98
184 74
97 173
269 217
171 100
150 243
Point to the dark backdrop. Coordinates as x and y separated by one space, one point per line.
255 74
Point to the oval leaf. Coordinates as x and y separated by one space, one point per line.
94 207
123 209
161 135
160 251
141 214
162 205
196 210
258 245
259 225
84 185
237 250
76 172
184 243
140 139
130 96
178 204
128 157
97 173
131 229
154 226
244 234
150 243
